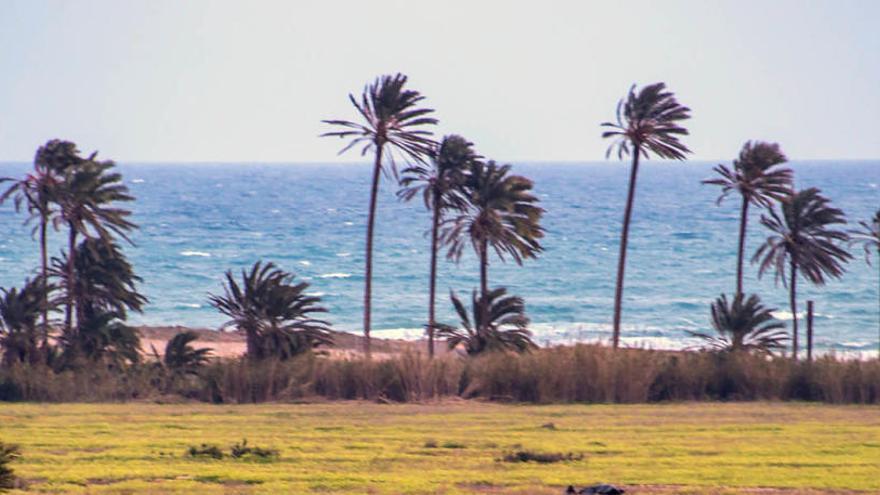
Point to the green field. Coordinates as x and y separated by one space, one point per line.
449 448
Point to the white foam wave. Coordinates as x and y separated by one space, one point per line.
348 224
137 181
190 252
191 305
334 275
343 255
787 315
305 263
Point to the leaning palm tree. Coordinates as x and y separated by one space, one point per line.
501 214
393 122
868 236
499 324
440 185
758 180
88 207
275 314
37 193
647 122
744 325
20 334
803 241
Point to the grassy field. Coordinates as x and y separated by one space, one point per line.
448 448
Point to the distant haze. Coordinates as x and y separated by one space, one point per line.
250 81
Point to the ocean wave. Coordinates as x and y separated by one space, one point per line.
343 255
137 181
305 263
190 305
334 275
348 224
190 252
787 315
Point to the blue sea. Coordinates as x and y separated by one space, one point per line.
199 220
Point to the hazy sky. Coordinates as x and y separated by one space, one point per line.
250 80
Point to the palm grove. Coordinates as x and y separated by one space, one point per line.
73 311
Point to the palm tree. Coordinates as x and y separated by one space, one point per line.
20 334
103 278
38 193
88 208
501 213
181 357
392 122
759 181
647 122
744 325
802 240
274 313
869 238
440 184
101 336
499 324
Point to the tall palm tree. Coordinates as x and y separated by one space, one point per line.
803 241
440 184
869 238
38 194
744 324
758 180
501 213
88 207
647 122
275 313
393 122
499 324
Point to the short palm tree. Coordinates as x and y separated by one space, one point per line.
393 122
440 185
20 334
180 355
755 175
88 207
501 214
275 314
101 336
37 193
868 236
499 324
803 241
648 121
744 324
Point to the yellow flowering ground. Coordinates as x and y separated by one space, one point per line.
447 448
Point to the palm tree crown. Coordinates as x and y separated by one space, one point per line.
502 213
499 324
181 357
391 115
274 313
744 324
868 236
19 332
647 121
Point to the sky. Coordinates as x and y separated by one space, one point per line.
232 81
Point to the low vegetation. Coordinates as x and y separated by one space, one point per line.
581 373
360 447
8 454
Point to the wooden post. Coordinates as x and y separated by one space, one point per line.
809 330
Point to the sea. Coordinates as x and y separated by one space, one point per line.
199 220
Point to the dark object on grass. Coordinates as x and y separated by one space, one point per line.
541 458
8 453
601 489
240 450
205 450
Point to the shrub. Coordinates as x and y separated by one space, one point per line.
540 457
205 450
8 454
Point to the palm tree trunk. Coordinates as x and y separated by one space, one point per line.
794 317
71 284
432 290
624 239
368 275
44 266
743 221
484 281
878 305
